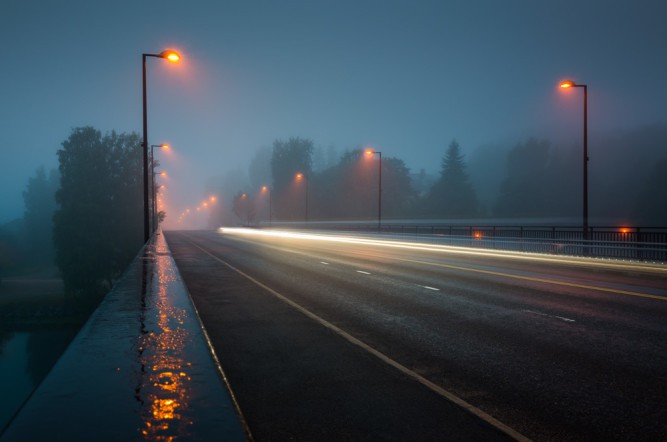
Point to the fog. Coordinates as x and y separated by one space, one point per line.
458 103
403 78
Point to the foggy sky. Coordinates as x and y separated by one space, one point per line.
405 77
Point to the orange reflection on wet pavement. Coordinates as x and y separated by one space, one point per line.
165 387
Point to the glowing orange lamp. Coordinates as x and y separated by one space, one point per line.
567 84
170 55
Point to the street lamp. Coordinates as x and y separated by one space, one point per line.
155 208
265 189
370 152
163 146
172 56
567 84
302 177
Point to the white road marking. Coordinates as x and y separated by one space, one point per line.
383 357
325 263
562 318
429 288
361 271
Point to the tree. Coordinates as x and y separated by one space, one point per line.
486 167
98 224
398 194
40 204
125 210
11 250
453 195
349 190
244 208
289 158
651 206
525 190
620 164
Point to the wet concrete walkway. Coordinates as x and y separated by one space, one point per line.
140 368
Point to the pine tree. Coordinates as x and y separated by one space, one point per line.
453 195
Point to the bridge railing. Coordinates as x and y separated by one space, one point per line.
632 243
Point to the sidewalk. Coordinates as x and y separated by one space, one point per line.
140 368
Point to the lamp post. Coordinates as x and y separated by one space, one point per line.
303 177
265 189
174 57
567 84
155 220
155 201
370 152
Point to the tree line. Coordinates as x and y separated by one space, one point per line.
87 215
531 179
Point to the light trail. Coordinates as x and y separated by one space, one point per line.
524 256
464 251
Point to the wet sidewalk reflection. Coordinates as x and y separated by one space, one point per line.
139 369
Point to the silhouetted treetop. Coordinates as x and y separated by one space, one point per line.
453 195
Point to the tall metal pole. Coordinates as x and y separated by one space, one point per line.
566 85
305 177
270 197
585 162
153 190
172 56
145 151
380 194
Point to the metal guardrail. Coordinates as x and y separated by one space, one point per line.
631 243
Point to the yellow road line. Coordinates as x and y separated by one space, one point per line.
384 358
532 278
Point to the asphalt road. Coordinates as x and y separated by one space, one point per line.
357 340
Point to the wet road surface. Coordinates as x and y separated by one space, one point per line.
553 349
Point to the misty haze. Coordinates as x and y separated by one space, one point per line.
352 220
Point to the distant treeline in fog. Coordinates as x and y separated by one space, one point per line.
533 178
86 217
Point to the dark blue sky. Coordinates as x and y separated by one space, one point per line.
402 76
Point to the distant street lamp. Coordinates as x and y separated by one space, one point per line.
155 208
370 152
173 57
567 84
302 177
155 219
265 189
